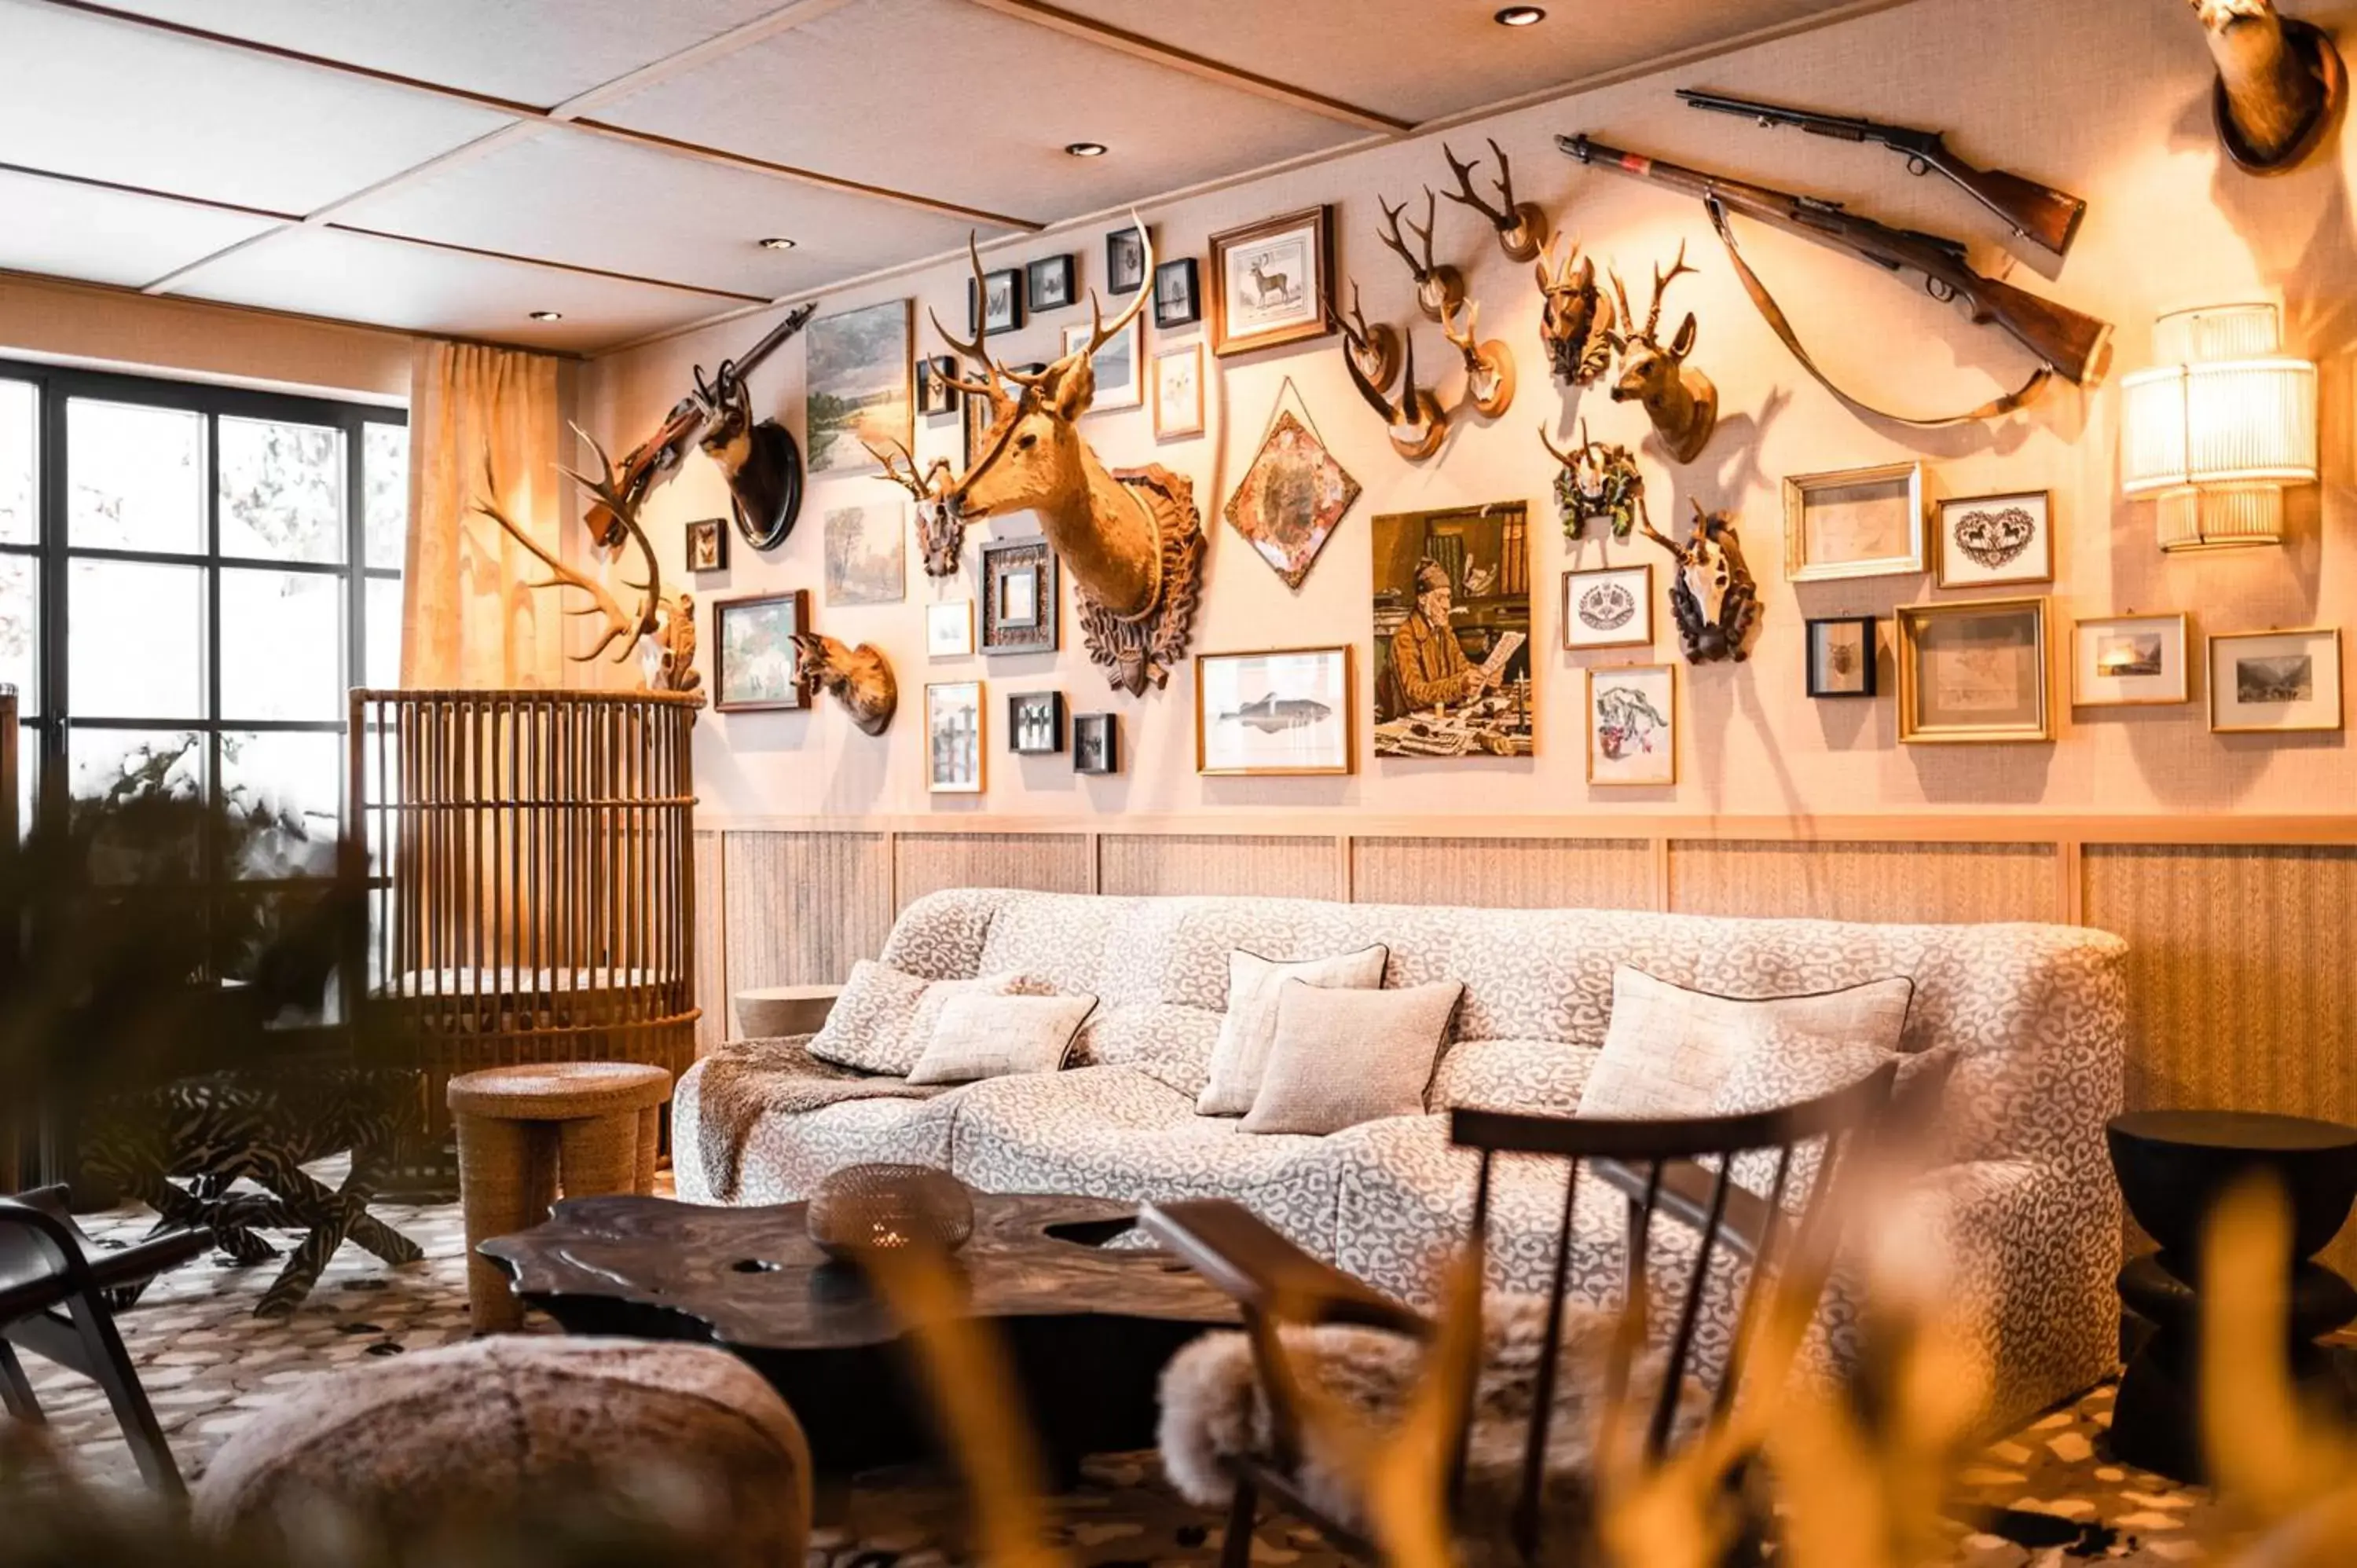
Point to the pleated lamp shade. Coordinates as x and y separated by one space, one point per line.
2218 429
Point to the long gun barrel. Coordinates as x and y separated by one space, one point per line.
2066 341
2039 213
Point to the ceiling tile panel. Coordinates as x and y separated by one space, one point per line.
82 231
529 51
591 201
946 99
114 100
392 283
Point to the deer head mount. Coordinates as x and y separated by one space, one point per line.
1597 478
1681 401
1489 366
1521 225
2280 83
941 531
859 678
1712 595
1375 350
1133 541
1577 324
1440 287
1417 423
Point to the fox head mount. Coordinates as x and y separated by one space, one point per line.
1133 541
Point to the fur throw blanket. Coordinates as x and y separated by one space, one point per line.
745 1079
1214 1407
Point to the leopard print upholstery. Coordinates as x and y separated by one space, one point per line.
2020 1196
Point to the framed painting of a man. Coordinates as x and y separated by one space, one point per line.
1452 614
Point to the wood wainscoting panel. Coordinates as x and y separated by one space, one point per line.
1045 863
1889 882
803 907
1237 864
1504 873
718 1020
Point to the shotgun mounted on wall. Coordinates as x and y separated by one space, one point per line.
2066 343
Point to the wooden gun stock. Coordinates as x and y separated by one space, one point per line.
2039 213
2072 343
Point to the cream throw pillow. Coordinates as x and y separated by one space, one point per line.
884 1018
1343 1057
1245 1035
1668 1052
978 1035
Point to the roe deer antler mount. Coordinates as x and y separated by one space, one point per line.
1375 349
1681 401
940 532
1440 287
1489 366
1418 424
1521 225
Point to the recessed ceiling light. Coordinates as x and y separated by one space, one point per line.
1085 149
777 242
548 315
1521 17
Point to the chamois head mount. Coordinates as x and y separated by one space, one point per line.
1577 322
1680 401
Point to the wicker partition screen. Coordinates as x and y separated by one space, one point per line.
533 876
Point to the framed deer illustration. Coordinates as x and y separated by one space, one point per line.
1273 282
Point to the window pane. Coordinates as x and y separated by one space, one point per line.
19 462
125 763
384 460
383 632
135 644
20 630
282 490
287 790
136 477
281 645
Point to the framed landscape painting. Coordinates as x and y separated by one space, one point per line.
754 664
1283 711
867 554
2124 661
859 386
2278 681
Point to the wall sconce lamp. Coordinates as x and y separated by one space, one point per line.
2219 427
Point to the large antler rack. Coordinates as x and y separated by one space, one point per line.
1521 225
1440 287
611 493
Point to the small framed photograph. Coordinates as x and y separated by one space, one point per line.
953 737
1120 366
1178 294
949 630
1035 723
1611 607
998 304
1859 522
707 544
1841 656
755 666
1988 541
2128 661
934 394
1178 392
1096 743
1974 672
1271 281
1048 282
2279 681
1284 711
1632 731
1126 260
1019 596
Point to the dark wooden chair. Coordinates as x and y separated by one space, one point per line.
55 1285
1787 1229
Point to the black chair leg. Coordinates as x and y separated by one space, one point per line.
16 1389
110 1364
1235 1550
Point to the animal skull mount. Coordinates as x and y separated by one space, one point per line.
1132 540
859 678
1521 225
1577 322
2280 83
1375 350
1681 401
1597 478
1489 366
1418 424
1440 287
940 529
1712 595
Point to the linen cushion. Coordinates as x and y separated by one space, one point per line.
884 1018
1342 1057
979 1036
1669 1050
1242 1053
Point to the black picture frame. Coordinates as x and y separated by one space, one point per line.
1096 743
1051 283
1022 707
1125 259
1814 656
1011 320
1177 293
934 394
712 534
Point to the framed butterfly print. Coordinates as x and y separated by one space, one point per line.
1988 541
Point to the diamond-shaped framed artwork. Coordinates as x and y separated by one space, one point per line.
1291 499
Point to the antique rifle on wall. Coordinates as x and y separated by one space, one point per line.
2066 342
2037 212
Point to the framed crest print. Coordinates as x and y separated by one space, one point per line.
1612 606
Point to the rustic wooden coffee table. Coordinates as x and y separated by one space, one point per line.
1088 1325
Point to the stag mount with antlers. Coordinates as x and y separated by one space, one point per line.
1132 539
1522 226
1576 324
1489 365
1440 287
1417 423
1680 400
2280 83
1712 594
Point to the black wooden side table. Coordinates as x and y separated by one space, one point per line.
2173 1166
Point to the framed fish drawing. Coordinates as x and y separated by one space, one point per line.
1282 710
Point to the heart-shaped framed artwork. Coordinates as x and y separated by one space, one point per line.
1989 541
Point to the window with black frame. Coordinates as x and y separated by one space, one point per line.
192 578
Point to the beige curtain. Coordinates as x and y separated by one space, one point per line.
469 618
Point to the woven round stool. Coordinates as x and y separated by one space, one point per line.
526 1132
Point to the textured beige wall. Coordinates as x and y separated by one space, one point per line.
2104 97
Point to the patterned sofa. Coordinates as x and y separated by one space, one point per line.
2023 1207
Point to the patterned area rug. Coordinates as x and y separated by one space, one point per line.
210 1365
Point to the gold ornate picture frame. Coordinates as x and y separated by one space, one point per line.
1974 672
